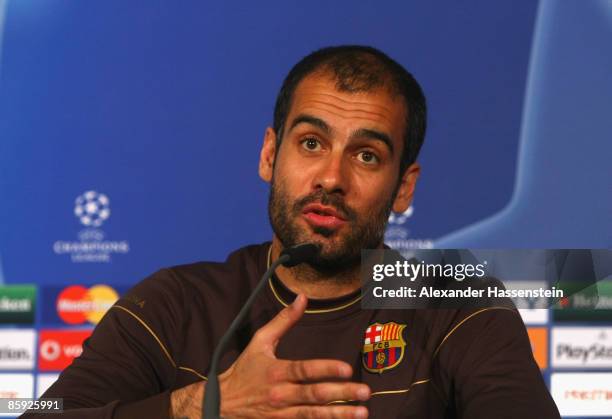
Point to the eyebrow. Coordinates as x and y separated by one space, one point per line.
360 133
374 135
312 120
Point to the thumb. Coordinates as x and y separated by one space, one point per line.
271 333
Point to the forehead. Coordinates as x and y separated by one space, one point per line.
317 95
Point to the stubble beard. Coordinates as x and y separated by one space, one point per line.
339 250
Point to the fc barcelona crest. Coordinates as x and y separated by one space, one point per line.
383 346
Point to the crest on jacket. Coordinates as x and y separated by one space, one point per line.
383 346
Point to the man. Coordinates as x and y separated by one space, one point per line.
348 125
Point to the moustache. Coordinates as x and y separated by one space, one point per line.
324 198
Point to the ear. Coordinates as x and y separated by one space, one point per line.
405 192
267 155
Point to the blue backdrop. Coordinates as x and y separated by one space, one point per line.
160 108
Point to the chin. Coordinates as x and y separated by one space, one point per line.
330 247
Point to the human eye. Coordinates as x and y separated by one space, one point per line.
368 157
311 144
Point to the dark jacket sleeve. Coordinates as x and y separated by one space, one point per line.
489 356
128 364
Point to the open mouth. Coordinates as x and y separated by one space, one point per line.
319 215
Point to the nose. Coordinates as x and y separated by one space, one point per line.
332 175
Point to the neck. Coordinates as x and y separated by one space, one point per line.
303 279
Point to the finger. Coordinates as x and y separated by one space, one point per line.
318 394
325 412
316 370
282 322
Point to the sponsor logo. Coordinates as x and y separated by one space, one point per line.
538 337
17 304
14 386
58 348
582 394
582 347
92 209
43 382
591 303
383 346
17 349
77 304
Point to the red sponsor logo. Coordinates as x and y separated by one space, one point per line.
77 304
7 394
601 394
57 348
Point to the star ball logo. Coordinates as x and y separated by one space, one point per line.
397 234
399 219
92 209
77 304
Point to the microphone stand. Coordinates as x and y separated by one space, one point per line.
289 257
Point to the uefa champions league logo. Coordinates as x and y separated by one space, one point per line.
92 208
397 233
395 224
399 219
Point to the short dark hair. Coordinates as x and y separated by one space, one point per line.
359 68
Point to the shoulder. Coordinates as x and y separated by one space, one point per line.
470 340
172 291
169 304
462 328
467 326
246 262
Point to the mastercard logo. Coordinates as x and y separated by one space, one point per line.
77 304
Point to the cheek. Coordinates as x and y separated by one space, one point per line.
374 186
295 174
372 195
289 184
294 182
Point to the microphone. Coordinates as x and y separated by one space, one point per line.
299 254
289 257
